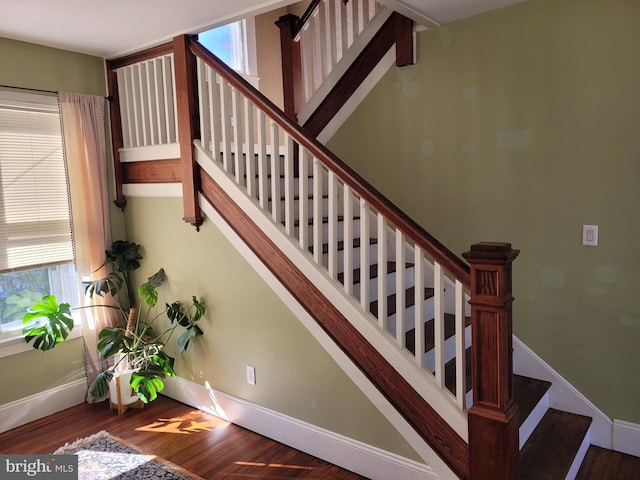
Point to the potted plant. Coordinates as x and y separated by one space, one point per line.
135 345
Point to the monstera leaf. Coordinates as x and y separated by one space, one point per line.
148 382
47 323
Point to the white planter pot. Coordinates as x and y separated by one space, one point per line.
120 391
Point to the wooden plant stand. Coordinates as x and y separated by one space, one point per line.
119 406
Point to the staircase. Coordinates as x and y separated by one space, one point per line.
553 443
407 312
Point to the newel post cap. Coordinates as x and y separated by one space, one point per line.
490 251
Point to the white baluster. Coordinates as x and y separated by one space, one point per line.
225 124
348 239
400 289
332 240
289 201
135 105
317 212
158 103
382 272
215 112
365 261
263 172
438 323
313 55
332 35
150 97
143 87
250 147
203 104
461 353
174 100
419 305
306 58
344 29
322 34
276 195
304 157
355 22
366 14
125 106
237 136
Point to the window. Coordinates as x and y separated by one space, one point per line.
36 252
235 44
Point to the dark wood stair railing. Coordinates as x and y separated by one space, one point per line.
492 419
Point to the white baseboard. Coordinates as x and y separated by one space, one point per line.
41 404
626 437
345 452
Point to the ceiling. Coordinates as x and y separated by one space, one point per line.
117 27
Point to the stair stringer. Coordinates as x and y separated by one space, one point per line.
563 395
442 402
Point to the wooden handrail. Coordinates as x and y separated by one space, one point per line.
305 17
412 230
153 52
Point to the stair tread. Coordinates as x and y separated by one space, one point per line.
603 464
527 392
550 450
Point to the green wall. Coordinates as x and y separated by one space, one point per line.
247 324
34 66
521 125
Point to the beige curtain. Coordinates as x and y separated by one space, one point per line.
83 130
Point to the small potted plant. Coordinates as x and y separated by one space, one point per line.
135 345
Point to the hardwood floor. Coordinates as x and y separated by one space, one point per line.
197 441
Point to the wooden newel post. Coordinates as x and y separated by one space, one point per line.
188 126
493 418
291 65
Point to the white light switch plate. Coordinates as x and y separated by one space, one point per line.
590 235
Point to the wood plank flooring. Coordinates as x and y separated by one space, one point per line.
197 441
603 464
215 449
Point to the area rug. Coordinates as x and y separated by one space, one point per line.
105 457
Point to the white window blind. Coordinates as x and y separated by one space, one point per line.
34 214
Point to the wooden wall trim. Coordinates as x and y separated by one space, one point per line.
409 403
152 171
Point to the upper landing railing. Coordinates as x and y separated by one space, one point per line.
219 115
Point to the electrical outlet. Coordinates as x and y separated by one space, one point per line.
251 375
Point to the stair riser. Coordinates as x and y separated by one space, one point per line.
409 278
325 232
296 207
410 314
